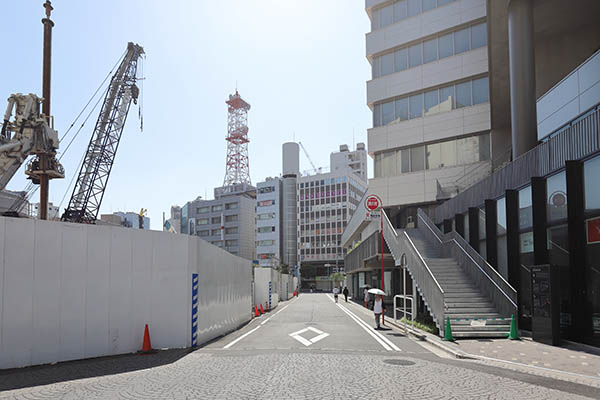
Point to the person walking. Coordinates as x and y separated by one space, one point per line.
378 309
336 291
366 292
345 293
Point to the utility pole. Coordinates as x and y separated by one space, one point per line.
46 77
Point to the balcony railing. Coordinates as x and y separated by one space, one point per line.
577 140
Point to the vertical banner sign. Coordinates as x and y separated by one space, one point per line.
270 288
223 228
194 309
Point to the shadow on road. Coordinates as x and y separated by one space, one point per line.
19 378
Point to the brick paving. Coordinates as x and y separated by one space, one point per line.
268 364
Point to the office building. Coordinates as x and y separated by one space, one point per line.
326 202
53 211
537 203
276 214
228 221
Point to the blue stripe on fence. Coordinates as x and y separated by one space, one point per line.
194 309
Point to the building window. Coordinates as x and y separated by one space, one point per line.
231 206
203 233
432 156
265 216
447 98
268 229
480 91
231 243
402 9
266 189
591 170
231 218
202 210
430 50
231 231
202 221
556 190
265 203
218 207
265 242
215 220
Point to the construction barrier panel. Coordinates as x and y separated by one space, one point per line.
72 291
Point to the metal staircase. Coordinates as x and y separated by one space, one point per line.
453 280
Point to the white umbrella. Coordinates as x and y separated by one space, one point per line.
377 291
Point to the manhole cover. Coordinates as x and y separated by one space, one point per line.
399 362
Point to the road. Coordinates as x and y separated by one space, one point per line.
307 348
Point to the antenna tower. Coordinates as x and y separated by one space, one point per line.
237 169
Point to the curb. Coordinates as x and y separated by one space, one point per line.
429 338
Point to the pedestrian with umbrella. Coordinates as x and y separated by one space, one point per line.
378 306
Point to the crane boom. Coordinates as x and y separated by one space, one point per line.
88 192
307 156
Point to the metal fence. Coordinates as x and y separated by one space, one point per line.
576 140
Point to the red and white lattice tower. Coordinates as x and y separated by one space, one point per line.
237 168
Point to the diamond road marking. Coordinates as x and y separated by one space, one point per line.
307 342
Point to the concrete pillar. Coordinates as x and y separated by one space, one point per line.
522 76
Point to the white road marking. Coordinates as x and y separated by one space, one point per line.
370 328
381 342
265 321
240 338
307 342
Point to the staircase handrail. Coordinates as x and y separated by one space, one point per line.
426 282
390 227
502 294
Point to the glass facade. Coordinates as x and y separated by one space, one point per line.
431 102
402 9
445 154
430 50
591 170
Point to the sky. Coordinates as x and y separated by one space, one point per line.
300 64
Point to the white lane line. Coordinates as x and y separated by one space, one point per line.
265 321
240 338
381 342
371 329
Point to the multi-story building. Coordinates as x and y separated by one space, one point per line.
429 95
540 207
228 221
173 224
325 204
53 211
132 220
276 213
355 160
268 222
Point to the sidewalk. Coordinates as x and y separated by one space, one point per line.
571 362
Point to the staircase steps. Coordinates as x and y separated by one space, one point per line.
471 313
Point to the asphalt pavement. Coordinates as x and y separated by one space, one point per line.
306 348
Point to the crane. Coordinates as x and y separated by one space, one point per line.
89 188
307 156
27 133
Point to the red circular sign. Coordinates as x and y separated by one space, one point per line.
373 202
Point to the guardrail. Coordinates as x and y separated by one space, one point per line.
400 244
500 292
403 309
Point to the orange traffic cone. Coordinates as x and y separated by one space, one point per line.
146 346
256 311
261 309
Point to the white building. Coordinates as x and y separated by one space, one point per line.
276 213
429 94
268 222
326 202
53 211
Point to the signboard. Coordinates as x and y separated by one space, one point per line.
372 215
593 230
527 242
373 202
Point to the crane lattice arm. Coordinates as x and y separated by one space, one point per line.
97 164
307 156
